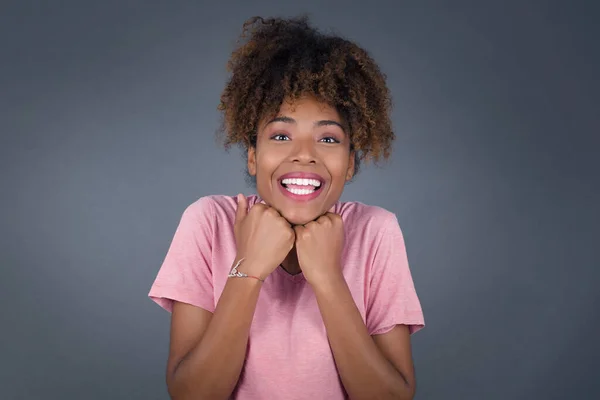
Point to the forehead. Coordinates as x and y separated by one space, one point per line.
308 108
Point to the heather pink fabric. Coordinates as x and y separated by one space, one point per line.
288 353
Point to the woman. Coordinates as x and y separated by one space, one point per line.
292 294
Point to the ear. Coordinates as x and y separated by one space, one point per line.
252 160
350 171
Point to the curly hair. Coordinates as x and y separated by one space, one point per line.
284 59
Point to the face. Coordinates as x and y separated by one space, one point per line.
302 160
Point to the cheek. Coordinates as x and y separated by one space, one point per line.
267 161
338 169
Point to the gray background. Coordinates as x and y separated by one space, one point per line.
108 111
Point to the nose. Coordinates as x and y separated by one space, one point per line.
303 152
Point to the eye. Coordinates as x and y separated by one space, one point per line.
280 137
330 140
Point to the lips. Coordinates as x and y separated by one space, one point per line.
301 185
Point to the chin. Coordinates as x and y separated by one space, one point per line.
295 218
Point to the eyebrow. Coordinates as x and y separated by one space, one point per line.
289 120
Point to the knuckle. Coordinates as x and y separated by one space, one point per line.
271 212
335 219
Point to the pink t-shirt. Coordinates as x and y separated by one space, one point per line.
288 353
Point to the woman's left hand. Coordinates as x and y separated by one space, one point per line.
319 246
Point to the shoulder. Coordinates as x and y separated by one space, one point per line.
359 215
216 207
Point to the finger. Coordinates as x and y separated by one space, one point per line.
336 220
334 216
310 223
242 208
276 213
272 211
298 229
323 219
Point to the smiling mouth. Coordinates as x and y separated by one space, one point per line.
301 186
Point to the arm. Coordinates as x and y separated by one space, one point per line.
207 350
378 367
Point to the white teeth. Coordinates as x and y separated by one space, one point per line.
309 185
302 182
300 192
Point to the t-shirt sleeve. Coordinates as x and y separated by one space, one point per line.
392 296
185 274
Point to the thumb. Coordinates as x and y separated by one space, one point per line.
242 208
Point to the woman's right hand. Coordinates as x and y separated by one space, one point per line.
263 238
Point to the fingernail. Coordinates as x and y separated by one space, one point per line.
239 197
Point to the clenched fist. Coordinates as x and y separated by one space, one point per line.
319 246
263 237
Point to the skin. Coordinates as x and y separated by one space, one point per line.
308 137
207 350
305 136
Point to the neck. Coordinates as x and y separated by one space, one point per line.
290 264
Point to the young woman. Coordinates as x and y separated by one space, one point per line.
290 293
